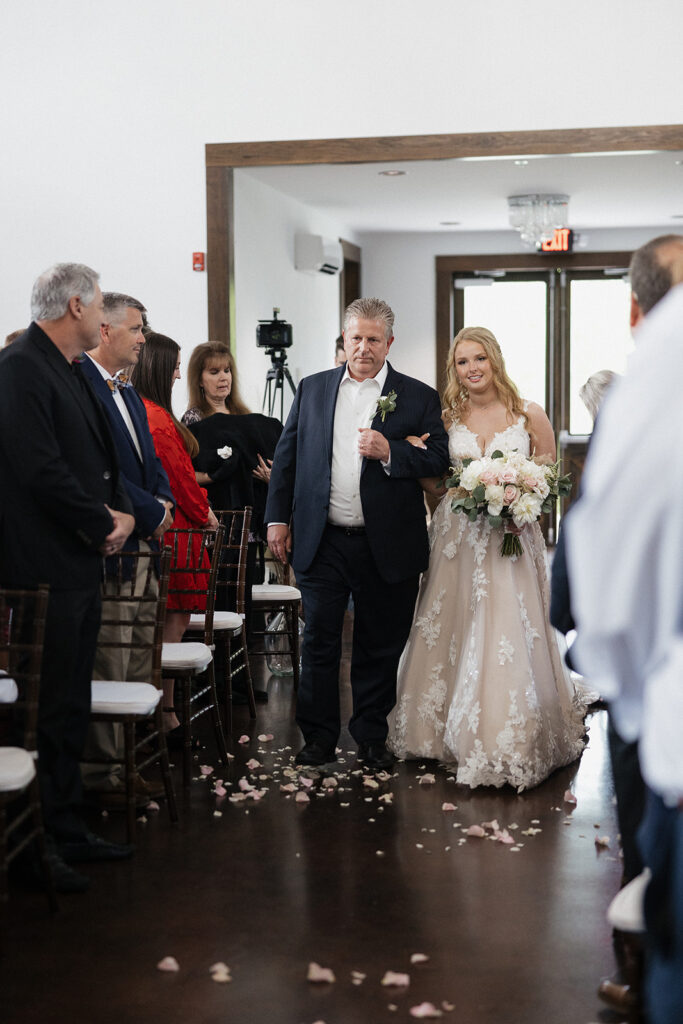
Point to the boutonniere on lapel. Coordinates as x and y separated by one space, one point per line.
224 453
385 404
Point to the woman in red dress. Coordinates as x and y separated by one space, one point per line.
153 377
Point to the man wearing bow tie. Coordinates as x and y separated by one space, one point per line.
107 367
344 500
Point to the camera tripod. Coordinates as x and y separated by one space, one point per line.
275 378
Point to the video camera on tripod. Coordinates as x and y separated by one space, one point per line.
275 336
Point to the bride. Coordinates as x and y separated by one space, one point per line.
481 683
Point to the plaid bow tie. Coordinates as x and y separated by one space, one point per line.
117 383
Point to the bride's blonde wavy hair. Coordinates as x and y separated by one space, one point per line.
457 397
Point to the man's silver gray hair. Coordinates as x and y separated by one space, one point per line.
370 309
115 303
651 270
55 286
593 391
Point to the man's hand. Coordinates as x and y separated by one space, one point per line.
373 445
166 523
279 540
124 525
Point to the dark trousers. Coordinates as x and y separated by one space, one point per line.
383 614
72 625
661 840
630 791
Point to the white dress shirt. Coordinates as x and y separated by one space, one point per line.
625 551
355 409
120 405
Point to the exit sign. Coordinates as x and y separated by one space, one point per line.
562 241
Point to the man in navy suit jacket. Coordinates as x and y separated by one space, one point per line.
345 502
147 484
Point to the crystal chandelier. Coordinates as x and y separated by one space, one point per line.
537 216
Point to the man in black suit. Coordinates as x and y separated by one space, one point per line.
107 366
347 480
63 508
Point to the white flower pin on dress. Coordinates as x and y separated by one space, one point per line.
224 453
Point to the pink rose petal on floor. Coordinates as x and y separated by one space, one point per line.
569 797
447 1006
427 779
289 787
602 841
427 1011
302 798
265 737
493 825
504 837
448 807
220 791
357 977
383 776
316 973
152 806
370 783
206 769
394 978
330 783
305 781
231 757
237 798
245 785
243 739
169 963
220 972
475 830
386 798
419 958
252 764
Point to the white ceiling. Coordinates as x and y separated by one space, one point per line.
606 190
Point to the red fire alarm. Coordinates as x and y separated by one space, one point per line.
197 260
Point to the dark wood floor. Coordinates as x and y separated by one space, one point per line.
346 880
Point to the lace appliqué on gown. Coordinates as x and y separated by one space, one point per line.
481 684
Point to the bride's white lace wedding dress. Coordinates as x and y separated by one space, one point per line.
481 682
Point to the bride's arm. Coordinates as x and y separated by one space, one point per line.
541 433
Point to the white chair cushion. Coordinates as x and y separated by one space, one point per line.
182 657
8 690
625 912
221 620
109 697
274 592
17 768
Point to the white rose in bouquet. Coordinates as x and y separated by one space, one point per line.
469 478
526 509
494 496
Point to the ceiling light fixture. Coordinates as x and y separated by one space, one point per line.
392 174
450 223
536 216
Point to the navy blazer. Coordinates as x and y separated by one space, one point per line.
145 480
58 469
393 504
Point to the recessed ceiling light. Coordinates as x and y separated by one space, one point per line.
450 223
679 163
677 216
392 174
521 163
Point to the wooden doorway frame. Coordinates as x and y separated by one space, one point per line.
223 158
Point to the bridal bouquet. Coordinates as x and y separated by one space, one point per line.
507 488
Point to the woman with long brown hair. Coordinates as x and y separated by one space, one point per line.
482 684
153 377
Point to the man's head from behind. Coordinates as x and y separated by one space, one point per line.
69 294
651 274
121 335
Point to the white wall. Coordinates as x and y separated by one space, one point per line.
106 108
265 276
400 268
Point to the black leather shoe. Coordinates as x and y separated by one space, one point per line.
64 878
27 870
315 753
375 755
93 848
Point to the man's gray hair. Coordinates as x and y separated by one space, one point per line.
370 309
650 272
593 391
116 302
55 286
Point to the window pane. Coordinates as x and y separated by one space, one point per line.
515 311
600 338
